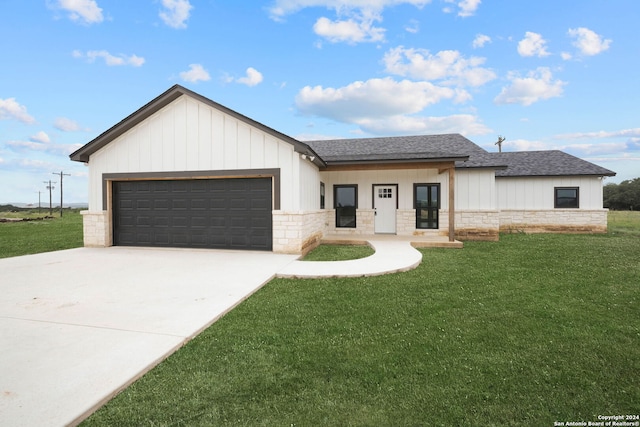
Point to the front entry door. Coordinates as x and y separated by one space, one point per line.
385 202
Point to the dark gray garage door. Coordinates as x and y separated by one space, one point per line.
203 213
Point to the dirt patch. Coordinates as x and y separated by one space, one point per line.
549 228
484 234
24 219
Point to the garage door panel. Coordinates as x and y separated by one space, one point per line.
216 213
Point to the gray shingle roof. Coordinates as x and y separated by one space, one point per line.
546 163
421 147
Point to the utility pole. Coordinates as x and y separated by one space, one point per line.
39 192
61 175
50 187
501 139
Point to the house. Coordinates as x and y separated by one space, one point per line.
184 171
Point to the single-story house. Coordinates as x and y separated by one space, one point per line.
185 171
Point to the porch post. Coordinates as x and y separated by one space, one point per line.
452 211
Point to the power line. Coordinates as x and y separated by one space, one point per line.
61 175
50 187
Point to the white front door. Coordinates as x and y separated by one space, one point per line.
385 199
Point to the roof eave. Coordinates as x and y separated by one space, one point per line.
396 161
83 153
166 98
492 167
555 175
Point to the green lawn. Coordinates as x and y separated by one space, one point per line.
522 332
339 252
46 235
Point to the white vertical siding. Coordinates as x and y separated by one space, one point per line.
475 189
534 193
205 138
189 135
405 178
309 186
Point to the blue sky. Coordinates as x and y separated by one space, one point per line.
544 74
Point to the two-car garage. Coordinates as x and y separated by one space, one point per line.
223 213
186 172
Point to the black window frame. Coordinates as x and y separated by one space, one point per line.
343 213
565 205
322 193
433 212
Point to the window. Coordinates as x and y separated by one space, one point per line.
385 193
426 199
322 195
566 197
345 200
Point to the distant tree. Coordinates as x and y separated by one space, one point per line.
623 196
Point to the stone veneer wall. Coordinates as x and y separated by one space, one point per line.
96 229
406 224
299 232
554 220
364 223
477 225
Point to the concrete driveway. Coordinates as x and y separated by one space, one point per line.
77 326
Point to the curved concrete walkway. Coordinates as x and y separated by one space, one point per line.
389 257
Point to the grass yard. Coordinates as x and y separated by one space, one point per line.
339 252
31 237
523 332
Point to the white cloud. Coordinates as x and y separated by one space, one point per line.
66 125
464 124
10 109
350 30
536 86
480 41
40 137
566 56
387 106
625 133
449 66
281 8
525 145
413 27
596 149
588 42
175 13
84 11
45 147
252 78
195 74
468 7
109 59
375 98
355 18
532 45
38 165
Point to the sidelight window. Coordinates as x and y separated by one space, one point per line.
427 204
345 200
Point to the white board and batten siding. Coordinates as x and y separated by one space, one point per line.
474 189
405 178
188 135
537 193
